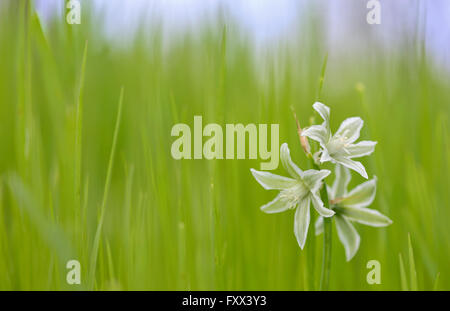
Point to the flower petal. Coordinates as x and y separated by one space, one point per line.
340 184
318 205
362 195
325 156
318 133
301 222
351 164
365 216
275 206
313 178
288 165
319 225
361 149
348 235
271 181
350 129
323 110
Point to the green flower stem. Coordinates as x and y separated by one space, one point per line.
327 240
326 262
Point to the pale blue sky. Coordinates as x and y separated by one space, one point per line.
269 21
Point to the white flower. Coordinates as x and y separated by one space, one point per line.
296 193
351 207
340 147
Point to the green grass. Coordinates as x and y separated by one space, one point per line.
85 178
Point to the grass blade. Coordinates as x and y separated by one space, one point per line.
50 232
412 265
95 247
322 77
436 282
78 128
404 282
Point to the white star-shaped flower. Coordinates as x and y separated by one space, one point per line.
340 147
296 192
352 207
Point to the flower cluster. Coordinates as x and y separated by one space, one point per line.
303 187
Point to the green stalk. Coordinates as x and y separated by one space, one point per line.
78 129
326 261
327 240
96 245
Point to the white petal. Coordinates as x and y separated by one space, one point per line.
301 222
330 193
313 178
365 216
319 225
318 205
325 156
271 181
288 165
362 195
323 110
350 129
275 206
361 149
348 235
354 165
318 133
316 156
340 184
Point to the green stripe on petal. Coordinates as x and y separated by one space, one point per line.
271 181
348 236
320 208
351 164
301 222
365 216
288 165
349 129
313 178
340 184
277 205
363 148
362 195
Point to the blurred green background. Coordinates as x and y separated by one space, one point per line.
196 224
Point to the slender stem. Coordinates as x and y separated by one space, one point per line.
327 237
326 261
327 240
